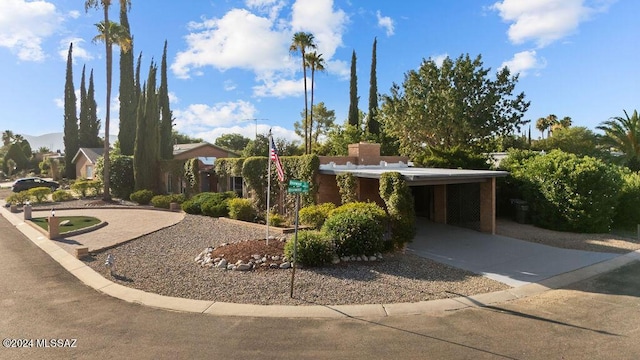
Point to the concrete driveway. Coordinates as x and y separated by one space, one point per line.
511 261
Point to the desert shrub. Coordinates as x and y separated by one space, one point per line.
61 195
142 197
347 183
194 204
277 220
569 193
314 248
356 228
19 197
81 188
241 209
217 204
39 193
95 187
163 201
628 212
315 215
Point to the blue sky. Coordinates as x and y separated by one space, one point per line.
229 60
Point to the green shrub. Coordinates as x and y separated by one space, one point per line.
121 179
241 209
164 201
628 212
400 206
452 158
19 198
39 193
356 228
277 220
95 186
315 215
347 183
218 204
61 195
195 204
314 248
569 193
81 188
142 197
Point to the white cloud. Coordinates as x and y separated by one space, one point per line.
24 25
319 18
239 39
440 58
245 39
74 14
78 51
524 61
229 85
386 23
248 131
202 118
173 98
546 21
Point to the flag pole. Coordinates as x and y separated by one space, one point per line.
268 184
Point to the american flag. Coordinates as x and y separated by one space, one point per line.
276 160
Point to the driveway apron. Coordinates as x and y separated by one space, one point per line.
510 261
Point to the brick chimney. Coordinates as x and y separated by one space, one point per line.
365 153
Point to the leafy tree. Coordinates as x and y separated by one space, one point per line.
70 119
456 157
235 142
128 94
7 137
353 117
454 104
301 42
577 140
373 125
166 121
110 33
338 140
623 134
146 155
316 63
180 138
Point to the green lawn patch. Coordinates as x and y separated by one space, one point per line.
74 223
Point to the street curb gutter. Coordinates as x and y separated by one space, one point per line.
93 279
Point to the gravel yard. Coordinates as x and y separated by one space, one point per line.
163 263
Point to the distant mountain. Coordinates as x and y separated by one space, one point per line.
53 141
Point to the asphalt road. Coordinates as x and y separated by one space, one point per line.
596 319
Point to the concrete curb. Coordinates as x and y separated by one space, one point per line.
98 282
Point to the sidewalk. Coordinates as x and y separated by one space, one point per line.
125 224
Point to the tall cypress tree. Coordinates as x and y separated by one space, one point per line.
70 119
146 146
166 145
128 96
94 122
373 125
84 131
353 94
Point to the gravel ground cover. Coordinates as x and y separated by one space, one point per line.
164 263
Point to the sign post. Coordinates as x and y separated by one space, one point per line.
296 187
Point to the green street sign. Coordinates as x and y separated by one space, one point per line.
296 190
297 183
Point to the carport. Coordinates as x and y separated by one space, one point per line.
459 197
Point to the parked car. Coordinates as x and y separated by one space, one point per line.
33 182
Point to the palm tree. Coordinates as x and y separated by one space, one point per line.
7 137
546 123
315 62
623 134
104 34
301 42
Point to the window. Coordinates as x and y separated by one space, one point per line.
89 169
236 185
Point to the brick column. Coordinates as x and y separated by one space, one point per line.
54 227
488 206
440 204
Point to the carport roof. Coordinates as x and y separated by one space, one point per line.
413 175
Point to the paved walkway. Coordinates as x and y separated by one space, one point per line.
127 224
510 261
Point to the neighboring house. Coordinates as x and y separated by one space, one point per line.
206 154
85 160
449 196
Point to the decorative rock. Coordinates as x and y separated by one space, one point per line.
344 258
273 266
231 267
264 259
243 267
275 258
222 263
358 258
217 259
65 222
373 258
335 260
256 257
364 258
285 265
